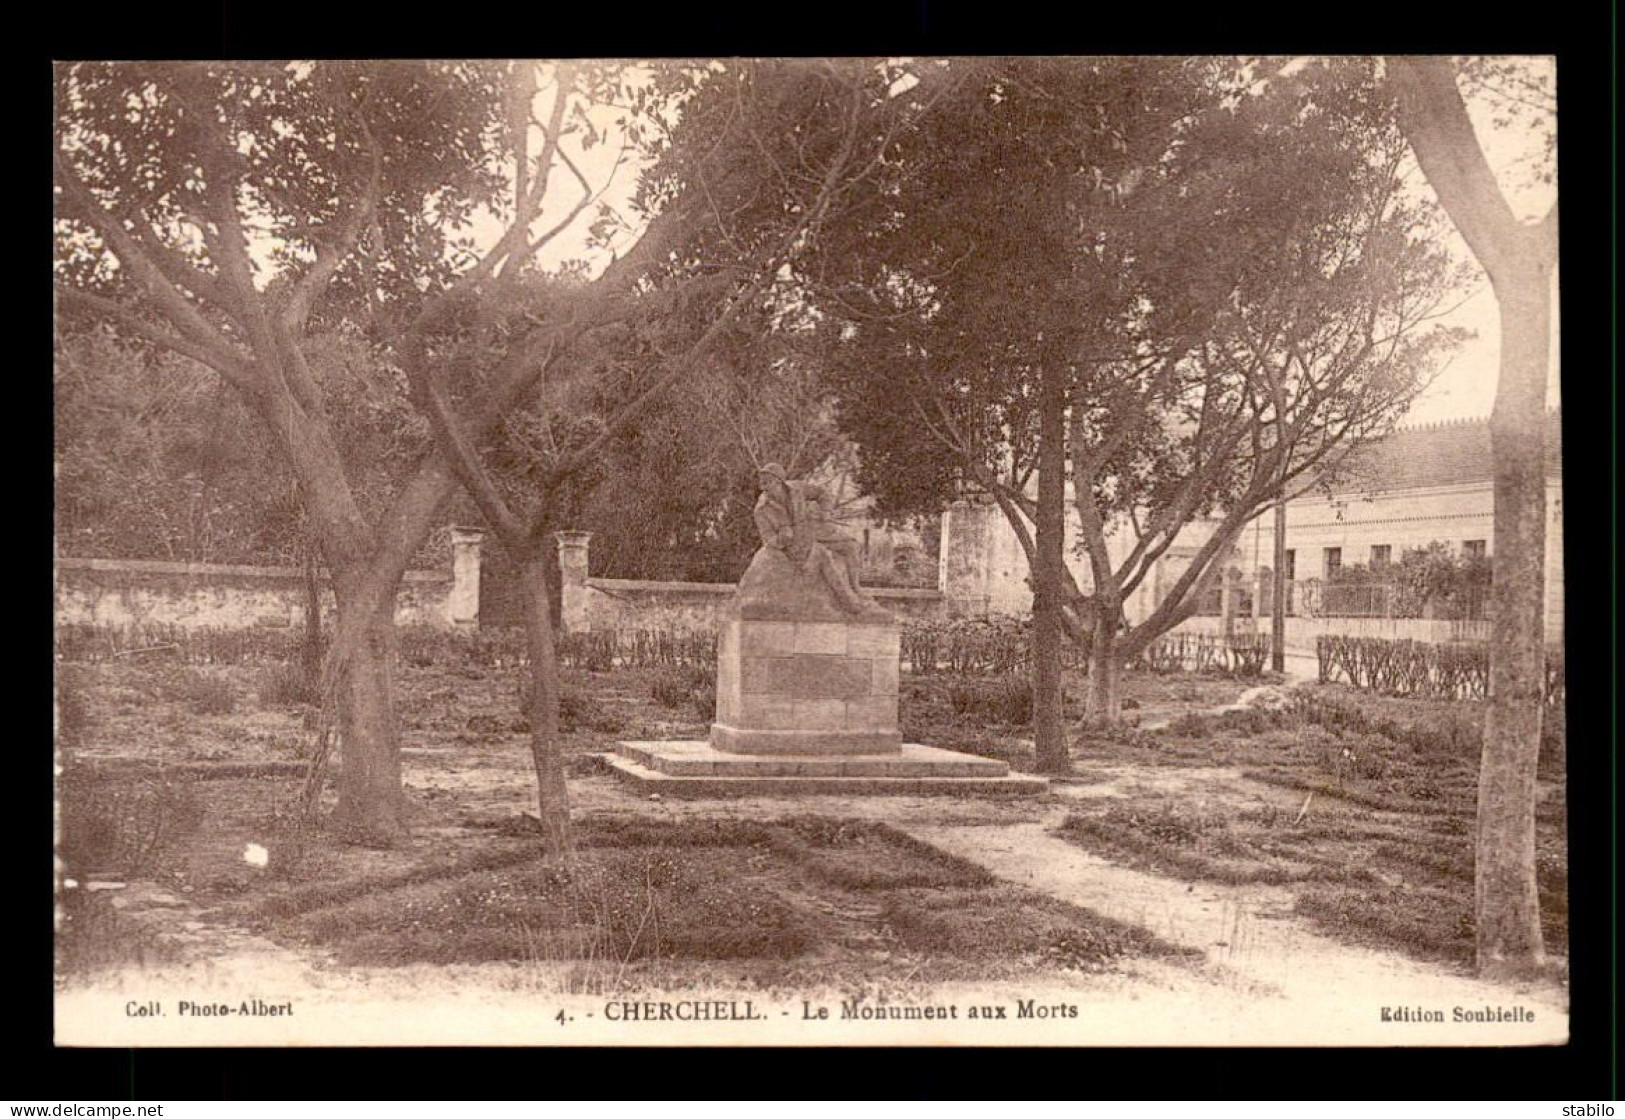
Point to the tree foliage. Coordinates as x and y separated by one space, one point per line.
155 461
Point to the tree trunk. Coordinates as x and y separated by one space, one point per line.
1049 730
552 795
360 658
1105 702
311 648
1519 259
372 804
1507 899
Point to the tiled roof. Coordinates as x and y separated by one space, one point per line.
1451 453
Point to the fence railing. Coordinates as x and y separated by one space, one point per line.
1323 598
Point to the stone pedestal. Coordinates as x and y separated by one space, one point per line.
807 688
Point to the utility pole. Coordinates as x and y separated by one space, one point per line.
1278 607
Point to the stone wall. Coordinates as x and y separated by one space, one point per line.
231 596
588 603
652 604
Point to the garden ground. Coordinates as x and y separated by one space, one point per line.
1274 874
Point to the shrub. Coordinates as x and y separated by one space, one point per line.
594 651
120 826
1417 668
1007 699
1241 654
418 646
703 693
1436 734
1245 722
424 646
693 687
980 646
667 648
580 711
91 643
288 685
202 693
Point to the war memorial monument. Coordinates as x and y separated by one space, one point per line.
807 680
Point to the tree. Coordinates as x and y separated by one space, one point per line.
671 495
153 462
1225 279
760 157
968 299
1520 259
235 213
1321 348
167 178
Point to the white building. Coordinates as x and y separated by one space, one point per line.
1424 483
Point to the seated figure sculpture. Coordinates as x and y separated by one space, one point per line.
806 567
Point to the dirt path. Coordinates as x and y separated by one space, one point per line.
1286 983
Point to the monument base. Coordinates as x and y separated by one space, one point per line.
695 768
807 687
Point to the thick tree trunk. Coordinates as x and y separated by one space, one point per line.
1105 702
1507 899
360 661
372 804
1519 259
1049 730
552 795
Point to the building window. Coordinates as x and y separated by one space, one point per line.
1334 561
1291 564
1473 549
1381 554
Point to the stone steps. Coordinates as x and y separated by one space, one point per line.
695 768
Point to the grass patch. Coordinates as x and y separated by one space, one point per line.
1378 870
1432 924
1173 840
289 685
864 856
94 936
619 904
322 895
641 893
1005 923
200 692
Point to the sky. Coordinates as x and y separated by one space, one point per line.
1465 388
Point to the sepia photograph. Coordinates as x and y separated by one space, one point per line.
820 551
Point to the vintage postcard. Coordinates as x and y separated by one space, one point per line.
834 551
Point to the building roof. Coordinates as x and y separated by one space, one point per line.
1449 453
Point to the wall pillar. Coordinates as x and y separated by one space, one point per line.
1231 582
573 591
966 561
463 604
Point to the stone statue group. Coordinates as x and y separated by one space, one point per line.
795 520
